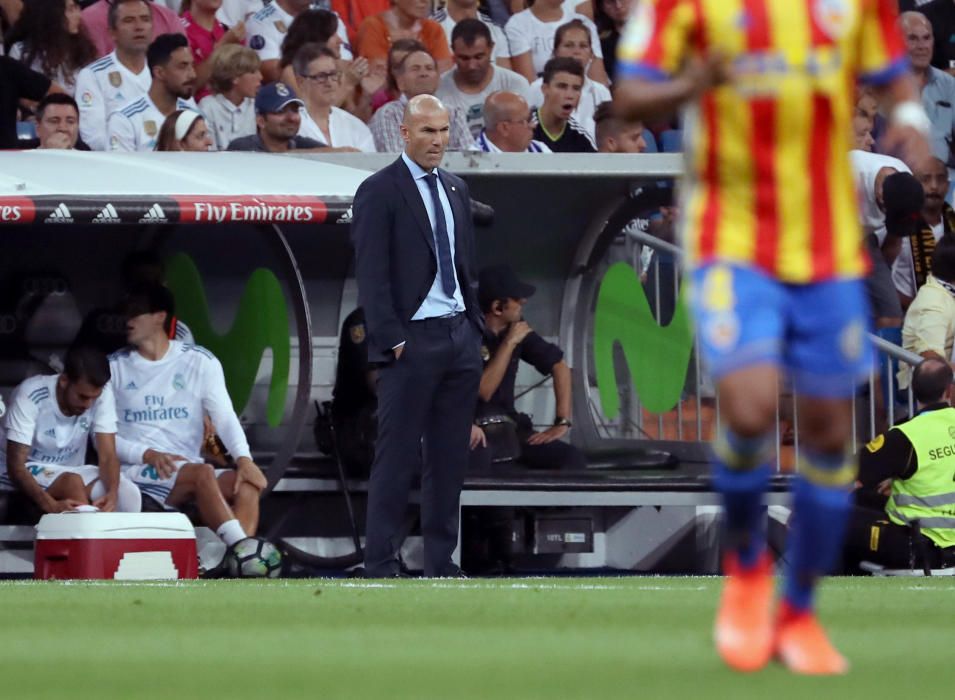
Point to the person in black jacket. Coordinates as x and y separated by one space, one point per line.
414 264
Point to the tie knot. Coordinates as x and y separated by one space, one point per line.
432 180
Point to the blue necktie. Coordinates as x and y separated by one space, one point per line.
443 243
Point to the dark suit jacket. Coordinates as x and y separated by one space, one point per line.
395 259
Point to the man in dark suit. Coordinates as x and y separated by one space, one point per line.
414 252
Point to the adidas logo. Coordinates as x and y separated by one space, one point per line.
60 215
107 215
131 386
155 215
345 218
50 433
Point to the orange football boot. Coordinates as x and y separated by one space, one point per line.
744 623
803 647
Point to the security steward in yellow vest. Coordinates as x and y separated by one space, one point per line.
913 464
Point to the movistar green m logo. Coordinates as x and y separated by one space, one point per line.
656 356
261 322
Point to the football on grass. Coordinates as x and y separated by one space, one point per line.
254 558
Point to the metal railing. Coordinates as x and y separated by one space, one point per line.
878 403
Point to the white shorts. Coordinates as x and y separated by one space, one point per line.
46 474
147 478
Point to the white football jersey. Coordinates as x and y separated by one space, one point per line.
136 126
160 404
266 31
34 418
103 87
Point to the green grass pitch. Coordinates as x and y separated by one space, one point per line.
638 637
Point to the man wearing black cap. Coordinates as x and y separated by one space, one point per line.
937 218
507 340
277 121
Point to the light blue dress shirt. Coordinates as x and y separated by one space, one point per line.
436 303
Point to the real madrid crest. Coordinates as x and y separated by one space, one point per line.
485 353
115 79
280 25
149 126
834 17
281 89
357 333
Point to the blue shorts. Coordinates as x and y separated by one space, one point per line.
817 332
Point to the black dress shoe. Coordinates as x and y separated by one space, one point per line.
453 572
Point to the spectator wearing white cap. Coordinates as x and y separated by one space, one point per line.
320 79
184 130
277 120
235 80
135 127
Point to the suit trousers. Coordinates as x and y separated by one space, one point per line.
426 403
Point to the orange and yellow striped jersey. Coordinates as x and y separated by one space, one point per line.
769 183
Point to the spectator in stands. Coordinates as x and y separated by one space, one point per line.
508 126
319 74
269 27
457 10
135 127
903 479
235 80
205 33
277 121
937 219
573 41
614 135
929 328
405 19
161 449
353 12
466 86
99 27
863 120
941 15
530 34
563 81
48 38
9 13
184 130
58 123
938 87
17 82
396 54
508 339
48 425
115 80
416 74
310 27
610 16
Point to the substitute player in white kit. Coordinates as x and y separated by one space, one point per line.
163 390
46 432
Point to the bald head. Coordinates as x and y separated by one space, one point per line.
425 129
422 105
507 121
931 380
919 42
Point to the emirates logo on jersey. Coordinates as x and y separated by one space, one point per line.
834 17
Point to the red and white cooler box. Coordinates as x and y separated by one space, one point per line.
121 546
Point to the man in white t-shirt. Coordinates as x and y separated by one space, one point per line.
474 77
266 31
118 78
164 389
136 126
458 10
47 430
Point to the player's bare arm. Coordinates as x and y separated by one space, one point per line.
17 454
909 125
108 470
647 100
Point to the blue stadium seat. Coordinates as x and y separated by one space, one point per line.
26 131
651 141
672 140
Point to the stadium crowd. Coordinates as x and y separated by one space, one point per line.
343 70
